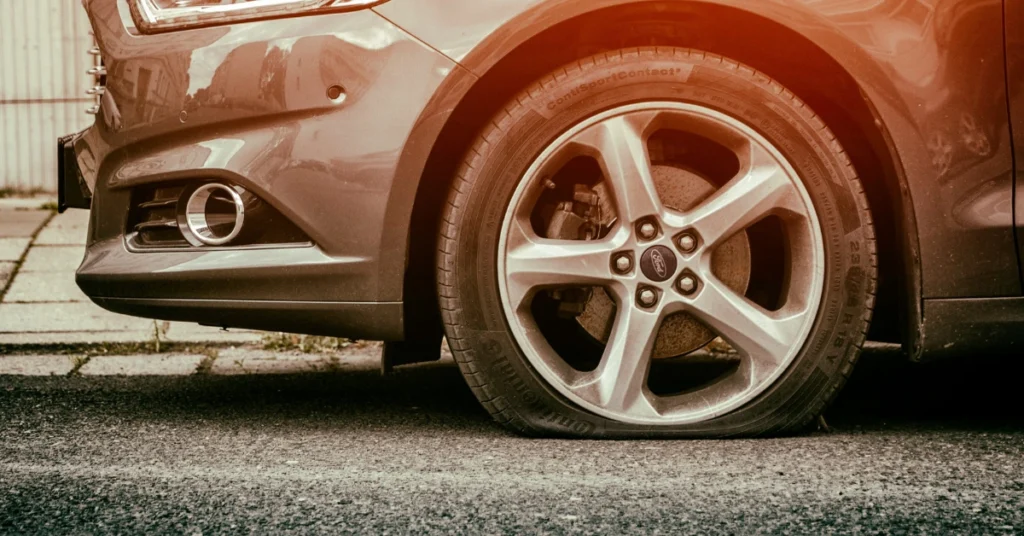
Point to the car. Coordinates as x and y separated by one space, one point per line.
629 218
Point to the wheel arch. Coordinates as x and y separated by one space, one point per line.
844 91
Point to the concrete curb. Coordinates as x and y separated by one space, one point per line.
227 361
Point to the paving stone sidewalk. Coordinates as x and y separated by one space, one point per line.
41 304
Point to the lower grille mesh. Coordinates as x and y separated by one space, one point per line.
155 221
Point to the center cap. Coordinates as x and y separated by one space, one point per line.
658 263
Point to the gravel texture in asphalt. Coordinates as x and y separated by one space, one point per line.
911 449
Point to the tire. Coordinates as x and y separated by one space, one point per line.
503 364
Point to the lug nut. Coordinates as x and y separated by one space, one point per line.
623 264
686 242
687 284
647 297
648 230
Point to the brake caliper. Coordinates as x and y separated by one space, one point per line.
587 217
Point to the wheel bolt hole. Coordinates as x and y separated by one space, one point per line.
647 229
647 297
622 263
687 283
687 242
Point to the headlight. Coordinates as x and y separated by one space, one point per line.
153 16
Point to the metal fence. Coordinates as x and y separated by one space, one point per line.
43 60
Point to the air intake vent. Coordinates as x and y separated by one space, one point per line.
156 218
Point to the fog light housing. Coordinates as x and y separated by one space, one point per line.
212 215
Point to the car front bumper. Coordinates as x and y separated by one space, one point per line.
251 104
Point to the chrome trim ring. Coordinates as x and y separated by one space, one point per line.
767 342
197 225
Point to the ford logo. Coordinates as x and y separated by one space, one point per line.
658 260
658 263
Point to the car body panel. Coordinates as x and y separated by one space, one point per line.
190 105
909 56
978 326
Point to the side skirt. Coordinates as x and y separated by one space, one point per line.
357 320
954 327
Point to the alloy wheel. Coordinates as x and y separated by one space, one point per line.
656 261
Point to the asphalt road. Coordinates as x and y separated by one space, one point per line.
912 449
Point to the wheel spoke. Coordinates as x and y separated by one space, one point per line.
618 382
620 149
764 187
534 262
764 337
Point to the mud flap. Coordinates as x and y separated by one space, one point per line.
399 353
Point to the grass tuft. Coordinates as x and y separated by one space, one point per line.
308 344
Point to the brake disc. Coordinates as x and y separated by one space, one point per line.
680 333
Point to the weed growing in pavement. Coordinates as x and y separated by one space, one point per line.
206 364
308 344
160 330
15 192
79 362
333 364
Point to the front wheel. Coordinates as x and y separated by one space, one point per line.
656 241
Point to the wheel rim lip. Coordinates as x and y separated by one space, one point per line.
527 344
